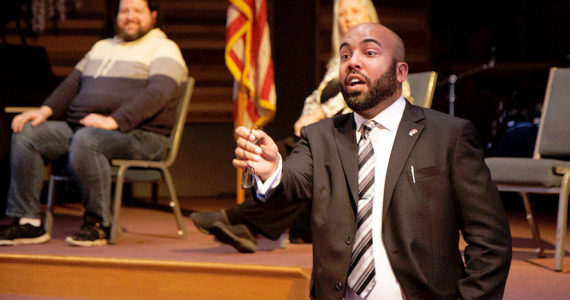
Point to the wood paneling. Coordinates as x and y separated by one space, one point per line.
198 26
112 278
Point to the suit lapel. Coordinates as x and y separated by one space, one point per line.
345 138
407 135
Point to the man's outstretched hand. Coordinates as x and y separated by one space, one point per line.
256 152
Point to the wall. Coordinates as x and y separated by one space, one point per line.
203 167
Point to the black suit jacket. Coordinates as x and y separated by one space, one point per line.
452 193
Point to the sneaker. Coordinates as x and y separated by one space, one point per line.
237 236
26 234
90 234
204 221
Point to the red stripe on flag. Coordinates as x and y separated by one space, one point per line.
268 82
252 112
237 61
259 25
235 26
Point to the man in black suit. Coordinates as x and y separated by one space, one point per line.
429 184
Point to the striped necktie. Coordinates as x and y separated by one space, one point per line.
361 272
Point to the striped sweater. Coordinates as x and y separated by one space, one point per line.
137 83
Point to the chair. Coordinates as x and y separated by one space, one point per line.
137 171
548 171
422 87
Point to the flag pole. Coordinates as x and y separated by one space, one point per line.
240 193
248 58
239 121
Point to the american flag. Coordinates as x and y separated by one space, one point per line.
248 58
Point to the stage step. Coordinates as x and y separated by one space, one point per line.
114 278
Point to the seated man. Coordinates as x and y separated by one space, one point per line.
120 102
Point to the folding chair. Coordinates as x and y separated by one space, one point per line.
137 171
422 87
548 171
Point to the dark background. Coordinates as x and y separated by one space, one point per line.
525 39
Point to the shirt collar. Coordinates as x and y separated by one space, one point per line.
388 118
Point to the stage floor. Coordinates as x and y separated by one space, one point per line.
150 234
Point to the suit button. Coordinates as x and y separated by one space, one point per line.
348 240
338 286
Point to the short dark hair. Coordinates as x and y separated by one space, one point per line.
153 5
113 9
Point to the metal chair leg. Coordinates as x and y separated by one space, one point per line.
48 224
115 226
532 224
174 203
561 222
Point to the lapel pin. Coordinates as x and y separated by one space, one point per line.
412 132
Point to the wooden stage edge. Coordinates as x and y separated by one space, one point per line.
118 278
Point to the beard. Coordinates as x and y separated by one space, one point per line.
381 89
131 37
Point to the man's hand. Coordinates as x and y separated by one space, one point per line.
307 120
99 121
37 116
255 149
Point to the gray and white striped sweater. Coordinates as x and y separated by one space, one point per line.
137 83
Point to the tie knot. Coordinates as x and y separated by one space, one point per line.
366 127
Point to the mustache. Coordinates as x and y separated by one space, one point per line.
355 72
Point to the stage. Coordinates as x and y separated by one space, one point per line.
149 261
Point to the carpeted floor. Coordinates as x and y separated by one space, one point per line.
150 233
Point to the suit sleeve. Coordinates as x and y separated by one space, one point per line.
483 221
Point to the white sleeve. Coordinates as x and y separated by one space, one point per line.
272 182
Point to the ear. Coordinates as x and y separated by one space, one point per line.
153 14
401 71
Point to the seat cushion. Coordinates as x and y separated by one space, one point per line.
143 175
62 169
527 171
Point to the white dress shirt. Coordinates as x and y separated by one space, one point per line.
382 137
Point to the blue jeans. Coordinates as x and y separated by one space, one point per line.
89 151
